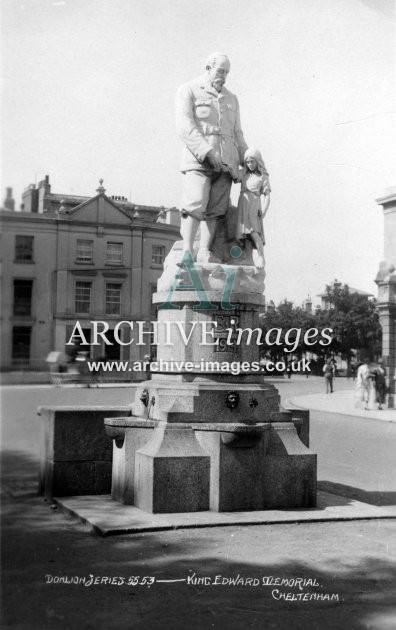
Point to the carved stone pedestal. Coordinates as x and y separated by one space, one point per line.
207 432
217 466
172 471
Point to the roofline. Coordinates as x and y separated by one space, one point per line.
351 292
84 203
389 196
20 217
66 196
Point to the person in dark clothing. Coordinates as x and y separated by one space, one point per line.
328 373
379 375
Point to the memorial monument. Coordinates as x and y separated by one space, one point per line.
207 432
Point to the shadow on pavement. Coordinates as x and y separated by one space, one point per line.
372 497
19 473
42 546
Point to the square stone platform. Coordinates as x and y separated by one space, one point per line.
108 517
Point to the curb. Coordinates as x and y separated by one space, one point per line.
308 402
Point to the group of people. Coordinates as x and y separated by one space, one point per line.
215 155
370 378
370 381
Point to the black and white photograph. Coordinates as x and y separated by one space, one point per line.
198 315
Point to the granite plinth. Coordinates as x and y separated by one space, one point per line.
212 435
76 455
186 333
289 470
243 460
172 472
206 401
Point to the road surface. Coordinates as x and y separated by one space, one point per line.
353 562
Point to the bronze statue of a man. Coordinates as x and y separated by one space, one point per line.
208 122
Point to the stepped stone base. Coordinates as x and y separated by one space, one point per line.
223 466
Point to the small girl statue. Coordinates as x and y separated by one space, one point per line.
251 211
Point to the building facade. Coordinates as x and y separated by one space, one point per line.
69 259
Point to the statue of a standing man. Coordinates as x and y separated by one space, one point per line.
208 122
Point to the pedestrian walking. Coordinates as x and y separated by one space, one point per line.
379 383
363 382
328 373
353 371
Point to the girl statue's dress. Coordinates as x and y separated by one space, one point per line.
253 185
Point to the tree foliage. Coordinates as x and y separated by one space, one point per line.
352 318
354 321
286 317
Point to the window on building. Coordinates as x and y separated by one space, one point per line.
84 251
24 248
114 253
83 297
158 254
23 290
21 344
113 299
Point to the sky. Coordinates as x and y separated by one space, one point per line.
88 93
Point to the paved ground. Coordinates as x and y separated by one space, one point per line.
356 452
343 402
350 565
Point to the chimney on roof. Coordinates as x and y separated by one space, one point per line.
9 201
44 183
44 195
